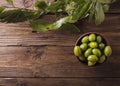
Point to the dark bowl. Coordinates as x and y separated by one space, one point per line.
104 40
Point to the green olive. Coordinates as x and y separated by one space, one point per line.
92 58
77 51
93 44
99 39
82 58
101 46
91 63
92 37
107 51
102 59
96 52
88 52
83 46
85 39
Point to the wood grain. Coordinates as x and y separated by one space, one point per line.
59 81
24 53
28 58
115 7
52 61
20 34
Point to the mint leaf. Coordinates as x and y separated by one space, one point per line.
68 27
17 15
99 14
82 11
1 9
92 14
59 23
55 6
39 25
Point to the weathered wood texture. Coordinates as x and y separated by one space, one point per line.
35 59
21 33
50 54
115 8
60 82
51 61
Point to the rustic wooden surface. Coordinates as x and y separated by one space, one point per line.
46 59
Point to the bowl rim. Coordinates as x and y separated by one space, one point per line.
96 33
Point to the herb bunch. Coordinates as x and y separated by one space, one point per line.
73 10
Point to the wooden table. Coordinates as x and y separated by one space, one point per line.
46 59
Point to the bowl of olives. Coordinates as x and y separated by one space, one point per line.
92 48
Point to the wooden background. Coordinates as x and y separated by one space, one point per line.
28 58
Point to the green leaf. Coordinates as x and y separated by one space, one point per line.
71 7
82 11
106 7
92 12
1 9
92 15
68 27
17 15
39 25
43 26
59 23
41 5
74 10
66 1
55 6
99 14
10 1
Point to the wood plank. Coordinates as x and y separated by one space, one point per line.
20 34
52 39
59 81
53 61
53 56
115 8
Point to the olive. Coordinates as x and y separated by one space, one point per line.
99 39
96 52
77 51
83 46
88 52
92 37
102 59
107 51
101 46
92 58
93 44
91 63
85 39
